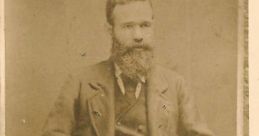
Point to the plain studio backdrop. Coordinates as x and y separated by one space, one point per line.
48 39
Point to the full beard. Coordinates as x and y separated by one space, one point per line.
134 61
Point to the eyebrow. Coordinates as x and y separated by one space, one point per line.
132 22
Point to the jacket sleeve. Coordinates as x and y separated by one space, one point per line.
61 119
191 121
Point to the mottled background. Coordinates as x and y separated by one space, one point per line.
47 39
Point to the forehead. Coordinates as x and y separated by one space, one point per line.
136 11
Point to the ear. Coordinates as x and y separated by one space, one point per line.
109 28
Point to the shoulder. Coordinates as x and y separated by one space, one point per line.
89 73
81 77
169 74
172 79
92 71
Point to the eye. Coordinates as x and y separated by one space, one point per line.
128 26
144 25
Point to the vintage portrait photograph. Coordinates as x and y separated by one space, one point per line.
126 68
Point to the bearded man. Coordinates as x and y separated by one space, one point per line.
127 95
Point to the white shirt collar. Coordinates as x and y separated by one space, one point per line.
118 73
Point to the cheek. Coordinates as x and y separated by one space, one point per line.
123 36
149 35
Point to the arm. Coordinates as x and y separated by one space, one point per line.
61 119
190 118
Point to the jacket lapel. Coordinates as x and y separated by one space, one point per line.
101 104
156 102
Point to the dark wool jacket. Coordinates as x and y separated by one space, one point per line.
85 106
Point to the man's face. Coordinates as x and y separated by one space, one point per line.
133 24
132 38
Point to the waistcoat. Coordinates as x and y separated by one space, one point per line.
130 112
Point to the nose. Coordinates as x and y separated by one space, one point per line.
138 36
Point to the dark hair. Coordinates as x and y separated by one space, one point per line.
111 4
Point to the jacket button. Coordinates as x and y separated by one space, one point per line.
160 126
118 123
98 114
140 128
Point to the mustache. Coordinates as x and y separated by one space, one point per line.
142 46
130 49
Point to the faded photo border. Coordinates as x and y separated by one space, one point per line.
247 100
253 67
243 89
2 70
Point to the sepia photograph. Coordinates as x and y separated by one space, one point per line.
126 68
